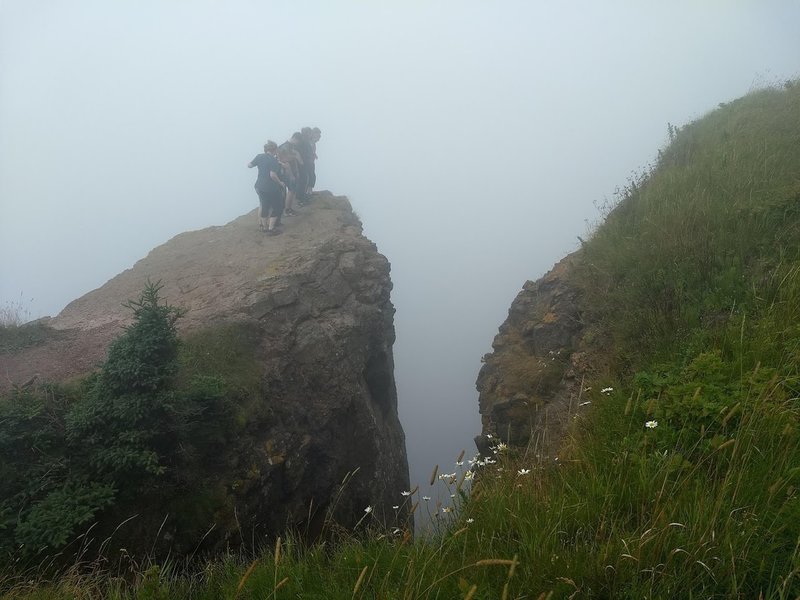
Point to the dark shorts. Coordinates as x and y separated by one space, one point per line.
271 201
301 184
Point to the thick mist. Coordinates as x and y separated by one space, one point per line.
473 138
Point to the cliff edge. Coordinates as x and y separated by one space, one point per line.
531 383
301 325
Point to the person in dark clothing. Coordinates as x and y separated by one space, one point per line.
291 162
316 134
269 187
303 148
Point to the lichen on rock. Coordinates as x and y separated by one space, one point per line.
531 381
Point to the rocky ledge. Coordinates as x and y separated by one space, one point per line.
530 384
311 309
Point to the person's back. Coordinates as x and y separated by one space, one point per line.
269 187
291 157
266 163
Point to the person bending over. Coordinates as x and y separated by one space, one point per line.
288 158
269 187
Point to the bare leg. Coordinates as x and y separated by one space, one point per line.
262 220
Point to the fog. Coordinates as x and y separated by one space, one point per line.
474 140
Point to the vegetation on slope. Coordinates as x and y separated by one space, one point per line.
682 480
141 431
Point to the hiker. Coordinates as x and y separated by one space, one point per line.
285 159
269 187
294 161
316 134
298 143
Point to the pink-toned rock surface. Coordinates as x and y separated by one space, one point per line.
217 273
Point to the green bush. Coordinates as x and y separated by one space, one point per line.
69 455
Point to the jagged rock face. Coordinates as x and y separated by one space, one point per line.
530 383
315 306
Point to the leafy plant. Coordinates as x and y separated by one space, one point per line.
69 455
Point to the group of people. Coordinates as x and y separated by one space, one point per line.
286 177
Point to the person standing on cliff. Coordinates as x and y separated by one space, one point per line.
304 146
269 187
316 134
290 158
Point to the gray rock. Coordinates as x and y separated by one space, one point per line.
528 385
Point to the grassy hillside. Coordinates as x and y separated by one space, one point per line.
682 480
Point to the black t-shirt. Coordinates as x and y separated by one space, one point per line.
306 151
266 163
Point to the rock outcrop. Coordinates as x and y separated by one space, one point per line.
531 383
311 309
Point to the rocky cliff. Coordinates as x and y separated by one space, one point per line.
303 324
530 385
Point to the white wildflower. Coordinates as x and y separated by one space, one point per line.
368 510
470 521
501 447
396 507
405 493
446 509
607 390
585 403
468 475
426 498
523 471
651 424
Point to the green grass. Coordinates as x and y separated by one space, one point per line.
692 289
14 338
714 228
16 332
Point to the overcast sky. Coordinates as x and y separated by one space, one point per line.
473 138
